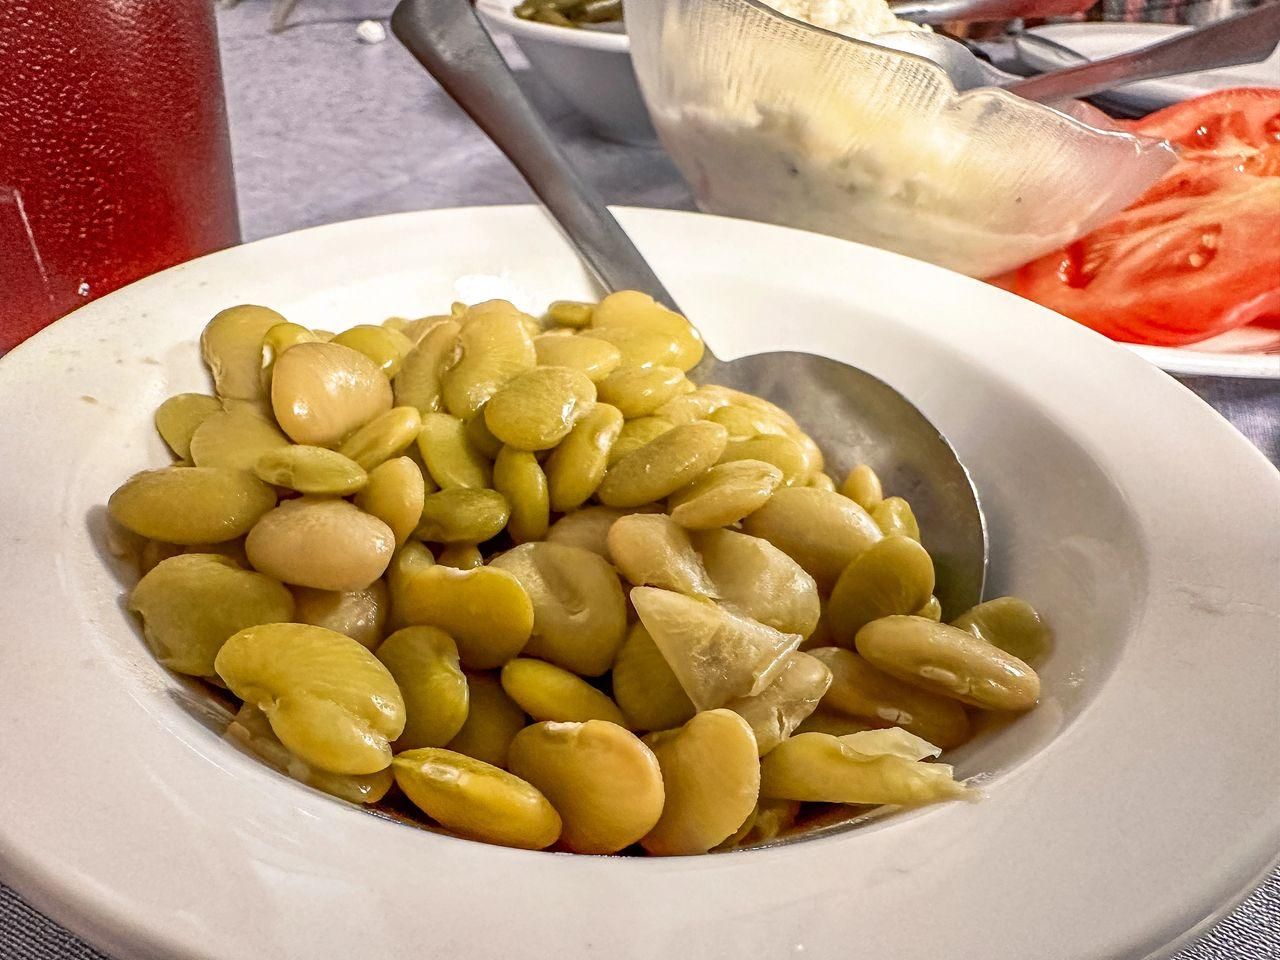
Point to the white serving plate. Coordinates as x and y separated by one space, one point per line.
589 67
1251 351
1131 809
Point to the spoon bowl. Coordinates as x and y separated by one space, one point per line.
853 416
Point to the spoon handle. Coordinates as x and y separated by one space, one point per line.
448 40
1244 38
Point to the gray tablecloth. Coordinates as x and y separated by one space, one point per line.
326 128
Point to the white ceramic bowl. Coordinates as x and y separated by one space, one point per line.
590 68
1137 803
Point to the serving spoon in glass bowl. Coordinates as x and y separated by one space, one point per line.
854 416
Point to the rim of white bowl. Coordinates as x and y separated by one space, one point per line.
78 864
501 14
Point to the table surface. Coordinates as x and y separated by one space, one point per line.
325 128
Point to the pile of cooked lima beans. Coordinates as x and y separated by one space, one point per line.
527 574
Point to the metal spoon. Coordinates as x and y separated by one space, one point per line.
1245 38
855 417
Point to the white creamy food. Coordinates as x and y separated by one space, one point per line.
859 141
853 18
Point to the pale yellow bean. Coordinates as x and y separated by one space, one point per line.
476 800
596 358
644 686
309 469
587 528
493 346
190 604
518 476
482 438
327 698
949 661
725 494
631 309
605 784
783 452
191 504
536 409
1009 623
394 493
385 347
861 690
547 692
638 391
576 467
322 392
862 486
485 610
570 313
179 416
822 531
234 439
383 438
819 767
663 466
711 779
635 434
493 721
892 576
653 550
419 382
579 612
461 556
251 731
424 663
460 515
894 516
231 345
451 459
360 614
322 543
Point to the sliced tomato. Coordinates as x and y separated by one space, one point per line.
1196 255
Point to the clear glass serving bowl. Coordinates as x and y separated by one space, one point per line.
775 120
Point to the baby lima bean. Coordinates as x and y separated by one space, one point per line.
535 410
190 604
327 698
359 614
474 799
949 661
863 691
711 778
547 692
663 465
191 505
424 663
321 392
605 784
485 610
493 720
322 543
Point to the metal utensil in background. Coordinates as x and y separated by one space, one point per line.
854 416
977 11
1245 38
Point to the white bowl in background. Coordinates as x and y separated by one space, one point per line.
1124 814
590 68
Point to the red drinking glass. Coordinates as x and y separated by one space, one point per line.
114 155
